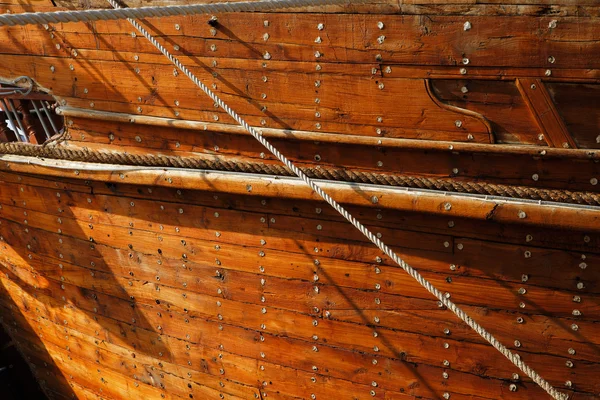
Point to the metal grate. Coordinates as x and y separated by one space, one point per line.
25 115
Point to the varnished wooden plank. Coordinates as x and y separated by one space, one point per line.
38 196
227 258
249 28
543 109
505 168
248 283
549 215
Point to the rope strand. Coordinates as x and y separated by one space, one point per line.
156 12
104 156
512 357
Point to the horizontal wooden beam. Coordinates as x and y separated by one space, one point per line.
580 218
544 152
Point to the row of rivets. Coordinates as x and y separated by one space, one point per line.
318 78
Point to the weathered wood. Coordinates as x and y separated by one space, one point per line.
539 102
480 208
81 117
460 166
137 282
140 296
576 106
291 234
252 87
343 44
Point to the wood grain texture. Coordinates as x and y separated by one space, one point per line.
539 102
351 77
161 283
140 286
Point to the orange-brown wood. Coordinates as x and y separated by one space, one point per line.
541 106
75 245
132 281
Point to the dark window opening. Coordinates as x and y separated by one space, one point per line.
27 116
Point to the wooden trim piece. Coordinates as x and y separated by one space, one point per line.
412 144
561 216
542 107
458 110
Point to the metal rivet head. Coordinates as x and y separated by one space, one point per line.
553 24
467 26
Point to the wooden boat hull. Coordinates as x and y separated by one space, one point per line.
153 249
121 291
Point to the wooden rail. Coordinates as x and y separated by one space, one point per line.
479 207
323 137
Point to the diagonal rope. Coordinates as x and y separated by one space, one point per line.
159 11
514 358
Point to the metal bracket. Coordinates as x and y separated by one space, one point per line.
11 88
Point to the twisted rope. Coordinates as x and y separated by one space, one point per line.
319 172
154 12
514 358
